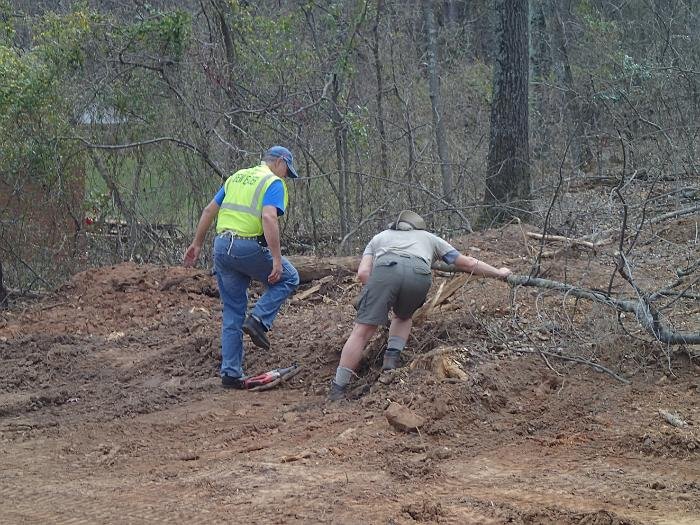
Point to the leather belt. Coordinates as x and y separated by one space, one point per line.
260 239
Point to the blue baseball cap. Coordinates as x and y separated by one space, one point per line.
283 153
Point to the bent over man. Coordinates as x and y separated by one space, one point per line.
396 272
247 246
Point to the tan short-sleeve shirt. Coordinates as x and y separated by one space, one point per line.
419 243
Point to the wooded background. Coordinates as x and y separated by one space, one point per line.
119 120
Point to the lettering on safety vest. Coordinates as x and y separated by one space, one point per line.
249 180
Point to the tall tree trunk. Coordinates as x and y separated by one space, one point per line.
410 146
540 68
222 7
3 290
384 163
450 13
508 169
135 230
575 108
408 125
341 156
310 204
340 127
435 100
479 29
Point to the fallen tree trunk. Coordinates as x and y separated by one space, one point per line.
647 316
313 268
310 269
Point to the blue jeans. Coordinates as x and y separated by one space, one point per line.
237 261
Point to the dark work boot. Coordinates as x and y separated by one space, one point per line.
392 359
336 392
256 331
237 383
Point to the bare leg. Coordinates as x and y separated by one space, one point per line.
352 351
398 335
401 327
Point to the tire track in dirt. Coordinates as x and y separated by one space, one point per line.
258 491
493 485
518 478
87 503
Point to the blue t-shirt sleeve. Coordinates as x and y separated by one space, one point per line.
450 257
274 196
219 197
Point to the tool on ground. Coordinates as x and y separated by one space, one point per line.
271 379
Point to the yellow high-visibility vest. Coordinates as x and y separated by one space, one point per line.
241 210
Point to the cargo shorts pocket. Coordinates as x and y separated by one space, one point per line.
421 270
357 303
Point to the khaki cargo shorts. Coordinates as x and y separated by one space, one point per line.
399 283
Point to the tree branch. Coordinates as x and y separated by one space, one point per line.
148 142
647 316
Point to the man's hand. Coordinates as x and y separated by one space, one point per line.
191 255
504 273
276 273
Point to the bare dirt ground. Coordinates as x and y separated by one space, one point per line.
111 410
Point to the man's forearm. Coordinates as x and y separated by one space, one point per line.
476 267
271 230
365 268
205 221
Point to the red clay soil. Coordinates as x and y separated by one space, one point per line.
111 409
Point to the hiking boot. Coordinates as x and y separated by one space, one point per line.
392 359
336 392
237 383
256 331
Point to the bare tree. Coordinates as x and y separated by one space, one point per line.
3 290
435 99
508 170
340 134
577 110
384 163
540 68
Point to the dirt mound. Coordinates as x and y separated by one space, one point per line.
112 342
115 378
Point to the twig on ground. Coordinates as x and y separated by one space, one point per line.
569 240
546 361
575 359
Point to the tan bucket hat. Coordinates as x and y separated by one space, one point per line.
410 217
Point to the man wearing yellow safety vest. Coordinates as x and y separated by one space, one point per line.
247 246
